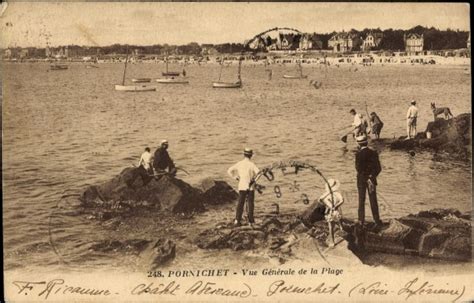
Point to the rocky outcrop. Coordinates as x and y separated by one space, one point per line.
281 238
158 254
216 192
132 190
450 136
439 233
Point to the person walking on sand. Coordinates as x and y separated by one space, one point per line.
332 199
412 115
245 171
368 168
162 159
377 125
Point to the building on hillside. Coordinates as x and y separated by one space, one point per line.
345 42
413 43
310 42
287 41
372 40
7 54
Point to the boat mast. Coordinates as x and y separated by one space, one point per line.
240 68
220 71
125 69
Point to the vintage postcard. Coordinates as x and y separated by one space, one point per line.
243 152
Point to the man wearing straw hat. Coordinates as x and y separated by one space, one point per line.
245 171
368 168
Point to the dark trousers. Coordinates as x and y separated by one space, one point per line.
362 187
248 195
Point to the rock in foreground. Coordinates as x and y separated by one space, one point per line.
166 193
439 233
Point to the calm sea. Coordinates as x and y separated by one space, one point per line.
65 130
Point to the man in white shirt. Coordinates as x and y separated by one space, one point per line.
359 125
245 171
412 115
145 160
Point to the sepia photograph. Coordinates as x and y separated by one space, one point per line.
231 151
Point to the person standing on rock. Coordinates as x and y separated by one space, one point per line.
162 160
145 161
368 168
412 116
245 171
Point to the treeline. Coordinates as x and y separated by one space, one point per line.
392 39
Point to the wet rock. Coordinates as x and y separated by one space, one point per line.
437 233
314 213
178 196
159 253
127 190
450 136
127 246
217 192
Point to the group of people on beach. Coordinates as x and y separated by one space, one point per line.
367 166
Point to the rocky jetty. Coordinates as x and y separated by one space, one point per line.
438 233
128 191
448 136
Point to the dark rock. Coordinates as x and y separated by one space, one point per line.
217 192
178 196
134 245
314 213
159 253
128 190
451 136
437 233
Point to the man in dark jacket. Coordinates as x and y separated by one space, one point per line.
162 159
368 168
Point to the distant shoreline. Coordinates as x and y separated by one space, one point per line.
354 59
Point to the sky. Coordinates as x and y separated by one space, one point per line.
27 24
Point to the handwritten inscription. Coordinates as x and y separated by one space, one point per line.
406 291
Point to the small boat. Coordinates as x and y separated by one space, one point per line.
227 84
141 80
168 73
134 88
58 66
300 76
295 77
92 66
237 84
172 81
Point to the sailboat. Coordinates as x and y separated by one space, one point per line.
300 76
237 84
132 88
172 77
168 73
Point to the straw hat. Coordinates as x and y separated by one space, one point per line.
413 102
164 142
361 139
248 151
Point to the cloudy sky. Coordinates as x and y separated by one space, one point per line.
145 23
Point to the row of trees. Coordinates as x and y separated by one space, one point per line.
434 39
